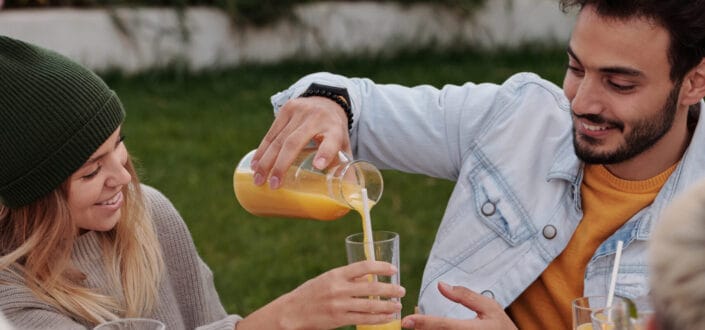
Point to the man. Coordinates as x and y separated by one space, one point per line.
548 180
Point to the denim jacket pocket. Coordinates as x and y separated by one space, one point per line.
496 204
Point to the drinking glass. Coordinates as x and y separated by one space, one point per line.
132 324
385 248
583 307
644 311
624 314
615 317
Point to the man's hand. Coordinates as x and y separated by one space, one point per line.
490 315
301 120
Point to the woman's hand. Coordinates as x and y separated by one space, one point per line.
333 299
490 314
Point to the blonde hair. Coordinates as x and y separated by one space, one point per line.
36 242
677 257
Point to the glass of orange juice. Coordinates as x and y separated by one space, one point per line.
307 192
644 311
583 307
632 315
615 317
385 245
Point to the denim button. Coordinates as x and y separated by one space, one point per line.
488 209
488 293
549 231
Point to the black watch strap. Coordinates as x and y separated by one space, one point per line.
336 94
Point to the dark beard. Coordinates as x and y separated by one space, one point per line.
645 133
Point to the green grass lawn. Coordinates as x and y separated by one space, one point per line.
187 133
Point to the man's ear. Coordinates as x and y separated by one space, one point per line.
693 87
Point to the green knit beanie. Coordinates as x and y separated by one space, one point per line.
54 114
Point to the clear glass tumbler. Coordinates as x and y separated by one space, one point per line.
385 246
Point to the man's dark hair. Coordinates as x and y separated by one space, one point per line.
683 19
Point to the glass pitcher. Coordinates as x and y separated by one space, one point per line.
307 192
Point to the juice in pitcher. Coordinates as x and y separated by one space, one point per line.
307 192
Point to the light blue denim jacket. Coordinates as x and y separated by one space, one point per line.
516 201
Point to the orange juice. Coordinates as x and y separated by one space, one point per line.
356 203
394 325
307 192
588 326
285 202
584 326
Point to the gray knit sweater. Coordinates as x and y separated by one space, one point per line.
187 296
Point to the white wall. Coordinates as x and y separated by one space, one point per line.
153 37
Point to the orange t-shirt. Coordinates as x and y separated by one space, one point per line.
608 202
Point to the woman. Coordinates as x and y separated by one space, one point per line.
83 242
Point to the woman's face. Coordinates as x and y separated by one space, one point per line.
95 195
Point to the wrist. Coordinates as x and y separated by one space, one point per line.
277 314
335 94
286 317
